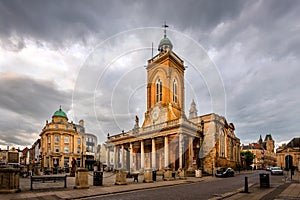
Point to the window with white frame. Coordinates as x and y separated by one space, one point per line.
66 139
175 91
158 90
66 150
56 139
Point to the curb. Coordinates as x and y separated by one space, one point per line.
229 194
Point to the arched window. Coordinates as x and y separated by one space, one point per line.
222 143
231 150
175 91
158 90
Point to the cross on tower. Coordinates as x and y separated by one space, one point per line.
165 26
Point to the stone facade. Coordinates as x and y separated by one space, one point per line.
167 138
263 152
289 155
61 141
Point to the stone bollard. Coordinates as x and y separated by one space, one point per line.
198 173
121 177
81 178
95 168
37 170
148 178
167 174
181 174
9 181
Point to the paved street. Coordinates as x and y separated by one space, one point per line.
208 188
192 188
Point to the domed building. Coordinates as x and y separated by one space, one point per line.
63 141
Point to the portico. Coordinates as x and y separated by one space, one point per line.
167 145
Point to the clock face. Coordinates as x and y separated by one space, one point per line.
155 113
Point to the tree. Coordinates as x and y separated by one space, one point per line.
248 157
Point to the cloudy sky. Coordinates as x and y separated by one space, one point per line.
242 61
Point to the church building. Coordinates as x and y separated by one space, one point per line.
167 138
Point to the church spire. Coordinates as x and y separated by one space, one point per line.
260 140
193 110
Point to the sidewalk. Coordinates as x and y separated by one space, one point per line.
288 189
56 191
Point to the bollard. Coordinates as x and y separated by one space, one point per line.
246 185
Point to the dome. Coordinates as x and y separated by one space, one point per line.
164 44
60 113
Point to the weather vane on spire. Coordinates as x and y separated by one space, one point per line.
165 31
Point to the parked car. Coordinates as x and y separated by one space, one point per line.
276 171
268 168
225 172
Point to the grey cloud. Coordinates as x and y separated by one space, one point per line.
65 22
266 101
257 50
262 30
30 97
26 104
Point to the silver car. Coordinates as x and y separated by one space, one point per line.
276 171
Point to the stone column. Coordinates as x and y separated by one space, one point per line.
166 147
153 154
131 157
191 154
107 156
115 157
123 157
142 155
180 150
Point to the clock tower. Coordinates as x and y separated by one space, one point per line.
165 85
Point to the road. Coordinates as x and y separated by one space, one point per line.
200 190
